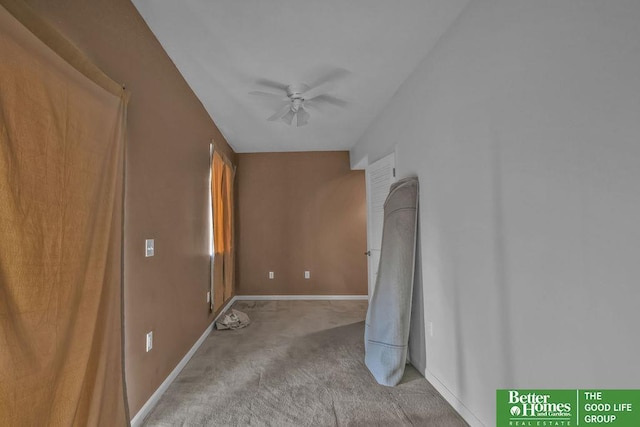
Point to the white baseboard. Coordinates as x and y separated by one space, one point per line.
299 297
459 407
137 420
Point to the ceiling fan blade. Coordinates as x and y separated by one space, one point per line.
272 84
329 99
321 84
281 112
267 95
303 117
288 118
330 76
313 105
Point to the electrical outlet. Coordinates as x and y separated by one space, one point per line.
149 341
430 329
149 247
271 275
208 296
307 275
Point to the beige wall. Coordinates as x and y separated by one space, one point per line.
166 188
297 212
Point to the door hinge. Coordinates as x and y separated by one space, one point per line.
394 172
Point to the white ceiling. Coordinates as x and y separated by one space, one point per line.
222 47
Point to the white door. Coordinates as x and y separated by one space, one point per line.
379 177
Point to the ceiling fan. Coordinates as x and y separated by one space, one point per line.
300 95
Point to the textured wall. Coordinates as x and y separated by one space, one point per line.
166 187
297 212
522 125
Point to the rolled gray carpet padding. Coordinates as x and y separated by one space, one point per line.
386 332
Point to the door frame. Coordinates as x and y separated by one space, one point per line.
388 157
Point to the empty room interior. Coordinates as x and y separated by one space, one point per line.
318 213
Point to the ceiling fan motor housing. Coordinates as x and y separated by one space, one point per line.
296 91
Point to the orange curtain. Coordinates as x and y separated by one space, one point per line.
61 202
223 176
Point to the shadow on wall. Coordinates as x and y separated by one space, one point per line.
503 294
417 332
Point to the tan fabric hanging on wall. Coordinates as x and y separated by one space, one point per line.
223 229
61 203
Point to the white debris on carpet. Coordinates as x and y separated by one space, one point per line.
233 319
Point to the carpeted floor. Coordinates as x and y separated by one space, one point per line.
300 363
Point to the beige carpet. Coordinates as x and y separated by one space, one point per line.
300 363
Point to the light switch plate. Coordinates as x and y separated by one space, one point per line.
149 247
271 275
307 274
149 341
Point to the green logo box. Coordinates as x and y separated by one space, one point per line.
547 408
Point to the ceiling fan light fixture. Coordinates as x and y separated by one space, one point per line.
288 118
303 117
